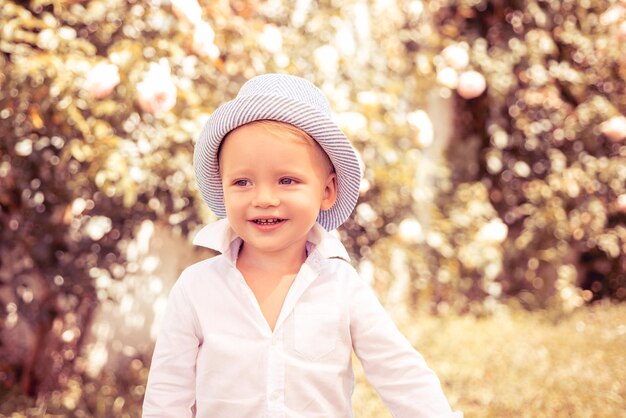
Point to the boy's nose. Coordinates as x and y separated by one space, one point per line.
265 197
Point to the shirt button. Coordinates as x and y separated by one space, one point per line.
275 396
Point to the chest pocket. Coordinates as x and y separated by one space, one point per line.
315 332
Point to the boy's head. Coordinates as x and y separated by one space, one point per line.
275 179
301 105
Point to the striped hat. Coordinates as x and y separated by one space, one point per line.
289 99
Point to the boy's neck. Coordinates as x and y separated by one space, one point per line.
287 261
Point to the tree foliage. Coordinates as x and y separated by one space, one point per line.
101 101
548 140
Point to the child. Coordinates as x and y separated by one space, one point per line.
267 328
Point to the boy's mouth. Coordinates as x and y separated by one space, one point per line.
271 221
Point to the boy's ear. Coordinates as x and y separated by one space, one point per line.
330 192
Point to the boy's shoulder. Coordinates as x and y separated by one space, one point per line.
337 263
206 269
339 268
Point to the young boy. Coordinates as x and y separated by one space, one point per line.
267 328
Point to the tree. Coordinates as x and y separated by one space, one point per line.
548 136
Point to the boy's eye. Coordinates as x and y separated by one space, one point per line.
241 183
286 180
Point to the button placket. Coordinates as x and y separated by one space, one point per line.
276 376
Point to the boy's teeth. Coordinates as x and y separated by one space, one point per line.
267 221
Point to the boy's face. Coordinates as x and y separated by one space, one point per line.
275 183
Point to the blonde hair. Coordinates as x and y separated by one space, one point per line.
279 127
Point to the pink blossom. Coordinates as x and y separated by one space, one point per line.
188 10
102 79
421 122
448 77
621 203
612 15
456 56
271 39
471 84
411 231
156 93
494 231
614 128
621 31
203 37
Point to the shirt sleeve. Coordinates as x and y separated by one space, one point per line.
170 391
405 383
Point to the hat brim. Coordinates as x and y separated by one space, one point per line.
318 125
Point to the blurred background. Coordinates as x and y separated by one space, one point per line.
492 216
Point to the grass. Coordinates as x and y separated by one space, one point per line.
512 364
521 364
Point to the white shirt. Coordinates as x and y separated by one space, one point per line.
216 356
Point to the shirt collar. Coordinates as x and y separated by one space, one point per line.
219 236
